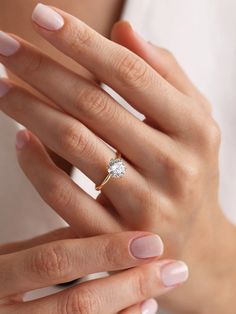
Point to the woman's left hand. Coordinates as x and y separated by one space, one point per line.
171 183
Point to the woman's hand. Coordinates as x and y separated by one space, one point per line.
57 257
171 184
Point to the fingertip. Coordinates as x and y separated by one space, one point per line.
22 139
120 29
149 306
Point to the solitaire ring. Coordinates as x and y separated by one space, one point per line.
116 169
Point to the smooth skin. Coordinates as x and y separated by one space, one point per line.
109 13
60 256
171 184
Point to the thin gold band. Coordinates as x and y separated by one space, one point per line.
107 178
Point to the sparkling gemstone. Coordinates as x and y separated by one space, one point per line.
116 168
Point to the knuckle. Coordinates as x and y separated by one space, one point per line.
140 287
51 262
58 195
213 134
70 138
189 180
80 37
75 139
132 70
111 254
33 64
95 103
209 135
189 173
81 301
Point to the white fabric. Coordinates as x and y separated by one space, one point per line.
201 34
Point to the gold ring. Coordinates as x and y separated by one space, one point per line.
116 169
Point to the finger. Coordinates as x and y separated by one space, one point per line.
84 100
124 71
59 234
65 260
160 59
111 294
79 209
149 306
73 141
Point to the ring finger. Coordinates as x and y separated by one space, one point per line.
73 141
115 293
65 260
82 99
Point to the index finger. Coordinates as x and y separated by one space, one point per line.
121 69
66 260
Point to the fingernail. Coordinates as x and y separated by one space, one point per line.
4 88
8 45
3 72
22 138
149 307
47 18
174 273
146 247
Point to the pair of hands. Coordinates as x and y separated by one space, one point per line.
171 183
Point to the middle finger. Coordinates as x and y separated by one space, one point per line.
83 100
66 260
73 141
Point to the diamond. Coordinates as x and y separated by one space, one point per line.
116 168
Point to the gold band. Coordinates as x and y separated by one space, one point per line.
107 178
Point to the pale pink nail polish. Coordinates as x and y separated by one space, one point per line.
147 246
149 307
174 273
47 18
22 138
8 45
4 88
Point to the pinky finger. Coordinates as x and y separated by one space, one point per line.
85 216
149 306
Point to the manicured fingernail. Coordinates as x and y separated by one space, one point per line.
8 45
147 247
22 138
3 72
4 88
149 307
47 18
174 273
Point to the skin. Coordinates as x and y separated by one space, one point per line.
83 9
60 256
172 177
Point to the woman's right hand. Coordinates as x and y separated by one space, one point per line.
26 266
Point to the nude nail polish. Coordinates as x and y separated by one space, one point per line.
149 307
3 72
4 88
147 247
47 18
174 273
8 45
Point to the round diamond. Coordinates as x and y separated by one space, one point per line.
116 168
